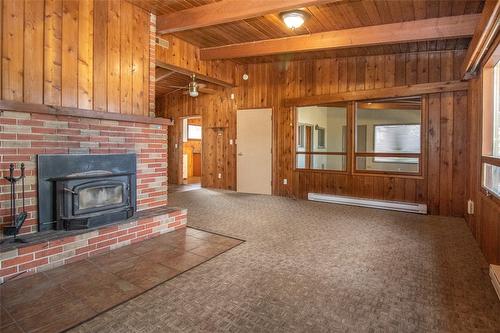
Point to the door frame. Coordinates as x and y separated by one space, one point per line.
180 148
274 172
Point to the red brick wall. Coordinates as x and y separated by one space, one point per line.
24 135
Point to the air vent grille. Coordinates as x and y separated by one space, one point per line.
162 42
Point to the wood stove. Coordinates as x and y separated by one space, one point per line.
85 191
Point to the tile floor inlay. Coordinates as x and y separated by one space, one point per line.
63 297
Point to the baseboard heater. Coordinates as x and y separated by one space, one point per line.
495 278
381 204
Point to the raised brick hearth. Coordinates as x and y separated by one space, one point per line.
53 249
28 130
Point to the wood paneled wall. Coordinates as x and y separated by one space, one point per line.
219 126
187 56
485 222
87 54
442 186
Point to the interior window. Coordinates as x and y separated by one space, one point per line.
321 137
388 135
491 129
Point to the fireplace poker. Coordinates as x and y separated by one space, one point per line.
17 220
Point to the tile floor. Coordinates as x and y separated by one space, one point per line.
58 299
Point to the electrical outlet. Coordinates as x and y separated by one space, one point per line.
176 146
232 96
230 141
470 207
219 175
285 181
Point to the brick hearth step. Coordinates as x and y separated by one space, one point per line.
46 250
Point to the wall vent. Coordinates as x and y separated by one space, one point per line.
381 204
162 42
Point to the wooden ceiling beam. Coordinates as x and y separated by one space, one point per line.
226 11
484 35
404 32
402 91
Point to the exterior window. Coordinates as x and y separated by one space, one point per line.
491 178
396 139
491 128
321 137
194 132
388 136
300 135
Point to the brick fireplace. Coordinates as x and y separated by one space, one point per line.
28 131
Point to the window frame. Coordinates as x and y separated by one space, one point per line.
295 145
487 115
422 156
350 140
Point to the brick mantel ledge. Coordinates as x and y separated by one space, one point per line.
83 113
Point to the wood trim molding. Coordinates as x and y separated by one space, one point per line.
75 112
484 36
491 160
226 11
410 31
187 72
401 91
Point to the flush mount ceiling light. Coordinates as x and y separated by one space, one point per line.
294 19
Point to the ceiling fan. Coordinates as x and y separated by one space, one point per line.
194 88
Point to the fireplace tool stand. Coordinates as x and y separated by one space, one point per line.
17 219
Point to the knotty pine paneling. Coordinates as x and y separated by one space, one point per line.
187 56
442 186
87 54
485 222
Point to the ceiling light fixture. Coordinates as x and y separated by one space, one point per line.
294 19
193 87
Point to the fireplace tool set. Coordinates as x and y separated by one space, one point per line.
17 219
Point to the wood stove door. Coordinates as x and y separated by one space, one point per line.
97 196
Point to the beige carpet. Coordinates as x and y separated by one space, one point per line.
313 267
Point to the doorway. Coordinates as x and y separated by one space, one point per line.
254 155
192 136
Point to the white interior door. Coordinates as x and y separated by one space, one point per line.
254 157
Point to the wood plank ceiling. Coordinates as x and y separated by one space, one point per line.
168 82
332 16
